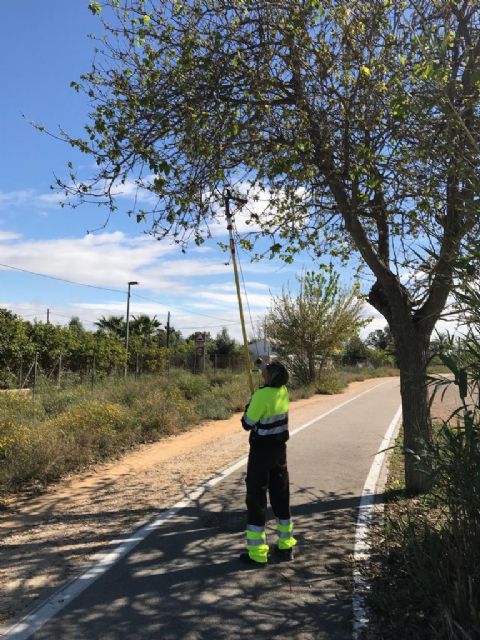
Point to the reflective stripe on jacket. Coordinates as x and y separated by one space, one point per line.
267 416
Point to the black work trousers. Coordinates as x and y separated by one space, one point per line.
267 471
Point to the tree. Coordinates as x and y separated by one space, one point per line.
14 347
75 325
381 339
357 122
144 326
49 342
310 326
355 351
113 325
224 344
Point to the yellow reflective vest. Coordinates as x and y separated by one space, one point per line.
266 416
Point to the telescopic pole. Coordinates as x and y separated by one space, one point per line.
228 215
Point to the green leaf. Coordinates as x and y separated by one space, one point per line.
449 362
95 8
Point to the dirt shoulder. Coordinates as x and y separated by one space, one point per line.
46 539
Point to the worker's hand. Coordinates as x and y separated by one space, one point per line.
246 426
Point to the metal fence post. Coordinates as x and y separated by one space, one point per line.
93 372
59 374
35 368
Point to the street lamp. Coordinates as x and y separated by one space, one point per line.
127 329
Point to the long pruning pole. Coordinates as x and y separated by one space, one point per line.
228 215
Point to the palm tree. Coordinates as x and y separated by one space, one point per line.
113 325
144 326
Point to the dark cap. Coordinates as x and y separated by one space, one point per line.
278 374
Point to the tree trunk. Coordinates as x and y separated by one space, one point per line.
412 340
412 351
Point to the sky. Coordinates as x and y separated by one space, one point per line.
44 45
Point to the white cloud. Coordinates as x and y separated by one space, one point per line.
199 290
257 301
373 325
107 259
9 235
50 198
30 197
34 198
15 198
131 190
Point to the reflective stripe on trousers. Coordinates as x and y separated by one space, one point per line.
285 534
257 546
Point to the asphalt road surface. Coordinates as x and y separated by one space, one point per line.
184 581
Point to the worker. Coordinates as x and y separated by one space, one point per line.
266 417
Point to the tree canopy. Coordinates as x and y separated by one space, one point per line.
353 126
356 123
311 326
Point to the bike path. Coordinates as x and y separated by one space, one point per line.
184 581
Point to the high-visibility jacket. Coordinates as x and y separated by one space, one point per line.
266 416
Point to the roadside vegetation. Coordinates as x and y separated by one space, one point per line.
81 408
72 354
425 574
65 430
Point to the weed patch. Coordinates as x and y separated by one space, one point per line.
425 574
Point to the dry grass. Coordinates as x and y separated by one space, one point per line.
65 430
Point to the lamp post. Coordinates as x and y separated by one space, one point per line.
127 328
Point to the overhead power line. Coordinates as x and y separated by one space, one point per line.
122 291
44 275
193 313
214 326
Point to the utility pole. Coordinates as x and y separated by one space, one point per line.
227 197
127 327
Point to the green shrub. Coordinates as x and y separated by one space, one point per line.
124 391
304 391
426 581
58 401
426 572
27 453
212 407
92 430
192 385
163 411
19 407
328 383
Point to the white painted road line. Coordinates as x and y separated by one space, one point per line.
104 560
366 513
338 406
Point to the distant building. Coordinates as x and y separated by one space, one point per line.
262 348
